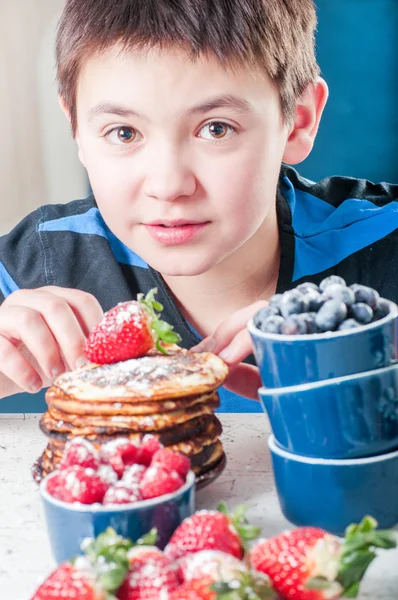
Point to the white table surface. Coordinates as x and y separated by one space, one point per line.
25 557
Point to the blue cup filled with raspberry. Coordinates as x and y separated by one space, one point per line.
313 333
131 487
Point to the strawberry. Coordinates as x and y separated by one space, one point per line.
121 493
68 583
129 330
172 461
310 564
196 589
212 530
80 452
150 573
119 454
98 574
248 586
158 482
133 475
76 484
213 564
149 446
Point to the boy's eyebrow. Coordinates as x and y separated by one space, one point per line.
225 101
112 109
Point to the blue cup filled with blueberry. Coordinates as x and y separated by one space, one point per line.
327 356
312 333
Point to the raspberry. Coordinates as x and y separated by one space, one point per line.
149 445
133 475
121 493
76 484
80 452
119 453
157 482
172 461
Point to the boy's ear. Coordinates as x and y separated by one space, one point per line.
66 112
306 122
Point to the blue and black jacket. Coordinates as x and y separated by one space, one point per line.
340 225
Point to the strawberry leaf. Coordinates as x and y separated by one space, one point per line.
238 519
358 551
161 330
149 539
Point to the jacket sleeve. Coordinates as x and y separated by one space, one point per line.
22 257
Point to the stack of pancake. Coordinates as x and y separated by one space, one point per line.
172 397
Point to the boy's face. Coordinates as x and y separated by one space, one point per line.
183 157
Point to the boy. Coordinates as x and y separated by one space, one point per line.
183 113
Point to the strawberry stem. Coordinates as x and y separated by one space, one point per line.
358 551
238 519
161 331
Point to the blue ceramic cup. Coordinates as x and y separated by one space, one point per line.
69 524
345 417
331 494
286 360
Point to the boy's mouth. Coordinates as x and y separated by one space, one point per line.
170 233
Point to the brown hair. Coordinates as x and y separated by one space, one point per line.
277 35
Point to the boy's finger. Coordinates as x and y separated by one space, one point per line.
27 326
229 328
86 307
238 349
17 369
244 380
60 319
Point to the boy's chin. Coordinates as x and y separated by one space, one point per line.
182 267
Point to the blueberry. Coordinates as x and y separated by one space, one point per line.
273 324
310 321
330 280
293 325
337 291
348 324
306 287
382 309
263 314
275 300
361 312
293 303
365 294
330 315
315 300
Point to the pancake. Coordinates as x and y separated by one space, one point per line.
58 420
182 432
60 401
144 379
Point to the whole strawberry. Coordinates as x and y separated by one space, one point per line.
68 583
212 530
151 572
129 330
97 575
211 564
248 586
310 564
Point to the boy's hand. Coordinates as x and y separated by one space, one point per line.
231 341
42 334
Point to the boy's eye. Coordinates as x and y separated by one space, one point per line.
216 130
122 135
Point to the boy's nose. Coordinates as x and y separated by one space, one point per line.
169 177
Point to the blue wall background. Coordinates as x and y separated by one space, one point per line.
357 48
